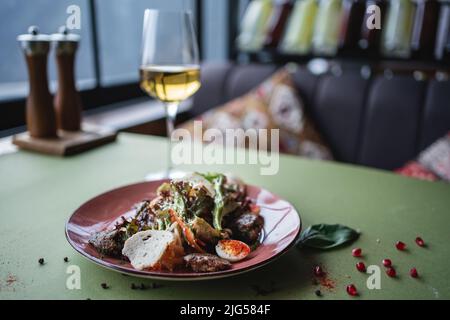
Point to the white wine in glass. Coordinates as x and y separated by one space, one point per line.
169 70
170 83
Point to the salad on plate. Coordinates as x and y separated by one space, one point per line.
201 222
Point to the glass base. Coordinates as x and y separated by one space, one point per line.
161 175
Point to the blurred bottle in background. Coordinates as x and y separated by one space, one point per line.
326 30
370 41
254 24
442 51
397 30
297 38
277 21
353 12
426 20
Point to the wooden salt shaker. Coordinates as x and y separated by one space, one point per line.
67 100
40 115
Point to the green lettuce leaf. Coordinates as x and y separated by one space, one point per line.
178 202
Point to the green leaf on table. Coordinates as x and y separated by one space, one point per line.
327 236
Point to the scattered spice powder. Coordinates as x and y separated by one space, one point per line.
327 283
10 283
11 280
321 278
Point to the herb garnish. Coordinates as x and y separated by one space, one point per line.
327 236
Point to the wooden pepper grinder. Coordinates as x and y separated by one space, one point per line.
40 115
67 100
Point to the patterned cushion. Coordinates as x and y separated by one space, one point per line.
414 169
432 164
274 104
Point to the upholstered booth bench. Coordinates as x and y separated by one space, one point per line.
375 121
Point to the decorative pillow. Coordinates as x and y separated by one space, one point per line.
414 169
274 104
432 164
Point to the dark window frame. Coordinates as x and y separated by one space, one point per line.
12 111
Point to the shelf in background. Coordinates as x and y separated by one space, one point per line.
273 56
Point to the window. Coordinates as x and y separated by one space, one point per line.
120 33
48 15
108 58
215 23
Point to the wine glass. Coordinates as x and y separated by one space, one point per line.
169 70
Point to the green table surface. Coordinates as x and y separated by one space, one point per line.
38 193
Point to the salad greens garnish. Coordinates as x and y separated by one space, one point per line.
178 201
218 202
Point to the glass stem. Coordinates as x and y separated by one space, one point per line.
171 113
